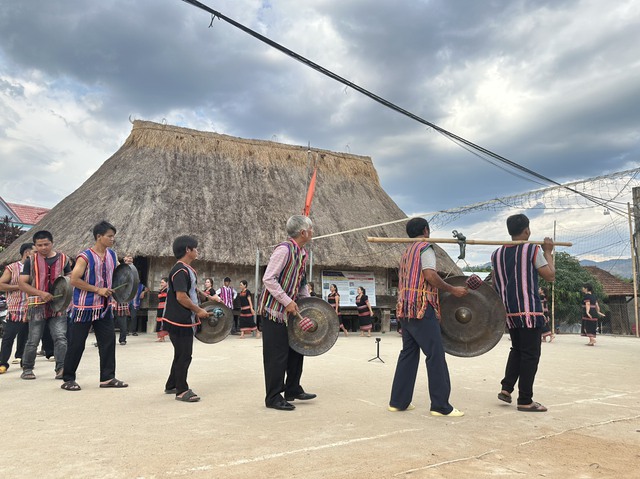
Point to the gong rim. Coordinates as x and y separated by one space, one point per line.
127 275
465 336
314 343
214 329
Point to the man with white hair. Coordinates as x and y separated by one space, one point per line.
284 282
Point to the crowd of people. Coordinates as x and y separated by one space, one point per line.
180 311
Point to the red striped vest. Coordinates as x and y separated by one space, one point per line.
415 294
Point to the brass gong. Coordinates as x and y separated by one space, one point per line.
473 324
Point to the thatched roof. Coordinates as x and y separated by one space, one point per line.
234 195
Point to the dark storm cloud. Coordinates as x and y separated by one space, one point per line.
151 58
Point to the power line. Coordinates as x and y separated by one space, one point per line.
390 105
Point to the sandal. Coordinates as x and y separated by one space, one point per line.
188 396
533 407
170 391
26 375
504 397
70 386
114 383
59 373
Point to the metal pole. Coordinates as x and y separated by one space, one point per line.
553 288
633 268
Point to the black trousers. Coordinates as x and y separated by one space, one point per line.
279 360
47 341
182 350
11 330
106 339
121 322
522 363
422 335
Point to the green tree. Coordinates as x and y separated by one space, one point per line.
8 232
570 277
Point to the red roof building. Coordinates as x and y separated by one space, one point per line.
24 216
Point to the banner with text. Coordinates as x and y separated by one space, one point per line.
348 283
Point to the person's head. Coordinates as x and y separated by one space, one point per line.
185 247
208 283
227 281
300 228
164 282
105 234
417 227
243 284
333 288
361 290
128 258
587 288
518 225
43 241
26 250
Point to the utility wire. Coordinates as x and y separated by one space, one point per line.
393 106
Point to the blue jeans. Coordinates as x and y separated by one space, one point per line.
58 328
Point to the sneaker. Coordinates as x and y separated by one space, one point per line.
40 353
122 343
454 413
51 359
3 369
134 334
410 407
15 361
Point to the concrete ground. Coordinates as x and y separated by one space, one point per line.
592 428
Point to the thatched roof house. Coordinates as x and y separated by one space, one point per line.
235 195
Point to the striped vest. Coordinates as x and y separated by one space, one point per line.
16 300
290 279
98 273
415 294
226 295
43 276
516 281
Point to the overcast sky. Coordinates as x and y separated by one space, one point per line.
551 85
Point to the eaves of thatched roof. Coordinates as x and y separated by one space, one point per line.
233 194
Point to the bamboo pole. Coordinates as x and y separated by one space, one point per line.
376 239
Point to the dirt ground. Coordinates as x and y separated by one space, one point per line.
592 428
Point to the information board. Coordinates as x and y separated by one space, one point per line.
348 283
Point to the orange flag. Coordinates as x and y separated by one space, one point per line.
310 192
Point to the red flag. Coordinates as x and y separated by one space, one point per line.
310 192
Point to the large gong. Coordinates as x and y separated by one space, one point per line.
62 292
218 325
322 331
125 283
473 324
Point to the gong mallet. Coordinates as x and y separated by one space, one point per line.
61 295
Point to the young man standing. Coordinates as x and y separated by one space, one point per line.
91 279
17 309
418 308
181 316
284 282
122 311
515 277
36 280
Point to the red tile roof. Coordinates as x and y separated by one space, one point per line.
28 215
612 286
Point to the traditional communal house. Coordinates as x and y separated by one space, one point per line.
619 299
235 196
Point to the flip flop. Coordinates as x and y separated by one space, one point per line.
114 383
170 391
504 397
534 407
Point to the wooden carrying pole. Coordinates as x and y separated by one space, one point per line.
376 239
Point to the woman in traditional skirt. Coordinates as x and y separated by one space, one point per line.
245 321
334 300
162 299
590 313
546 329
364 312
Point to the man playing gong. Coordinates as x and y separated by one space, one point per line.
515 277
92 278
284 282
418 285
